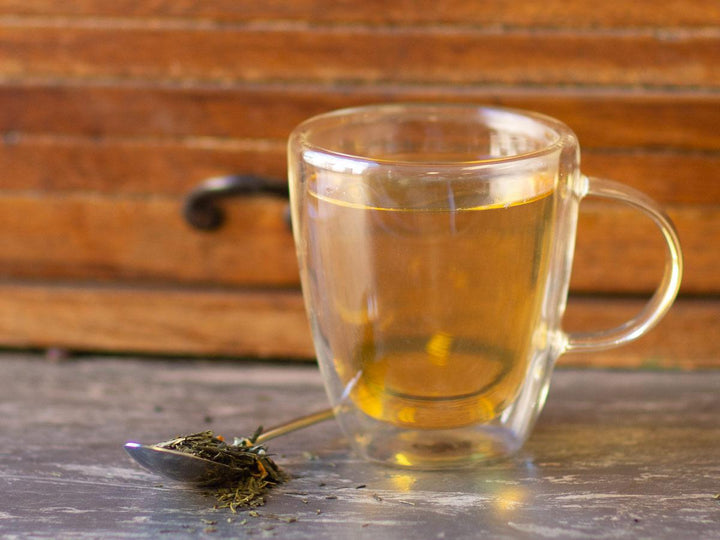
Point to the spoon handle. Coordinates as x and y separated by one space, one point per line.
293 425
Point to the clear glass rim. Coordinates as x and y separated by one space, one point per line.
563 135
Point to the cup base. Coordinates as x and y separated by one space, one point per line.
437 449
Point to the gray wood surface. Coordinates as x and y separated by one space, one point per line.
614 455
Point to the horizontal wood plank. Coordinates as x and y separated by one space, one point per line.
668 177
155 320
602 118
236 323
550 13
164 166
621 250
686 338
144 239
293 52
133 166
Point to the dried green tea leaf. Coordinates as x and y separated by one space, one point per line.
252 471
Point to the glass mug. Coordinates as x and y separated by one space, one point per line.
435 244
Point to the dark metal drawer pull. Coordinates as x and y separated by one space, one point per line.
201 209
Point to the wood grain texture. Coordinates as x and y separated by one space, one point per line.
604 118
614 454
550 13
273 323
581 13
111 111
283 51
145 240
155 320
687 338
621 251
56 164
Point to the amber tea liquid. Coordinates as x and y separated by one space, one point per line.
428 313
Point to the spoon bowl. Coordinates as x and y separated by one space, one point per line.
178 466
184 467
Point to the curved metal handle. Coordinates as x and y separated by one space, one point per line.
294 425
201 209
666 292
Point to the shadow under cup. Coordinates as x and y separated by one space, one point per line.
435 243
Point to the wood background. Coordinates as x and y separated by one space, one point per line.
111 112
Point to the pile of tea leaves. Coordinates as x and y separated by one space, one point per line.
252 472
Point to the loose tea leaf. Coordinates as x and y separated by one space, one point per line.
251 471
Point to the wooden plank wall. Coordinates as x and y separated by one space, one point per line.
110 112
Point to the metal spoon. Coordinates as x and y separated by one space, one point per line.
192 469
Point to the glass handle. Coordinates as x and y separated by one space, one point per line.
666 292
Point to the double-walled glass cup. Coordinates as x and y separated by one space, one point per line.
435 245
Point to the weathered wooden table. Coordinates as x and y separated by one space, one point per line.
614 455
